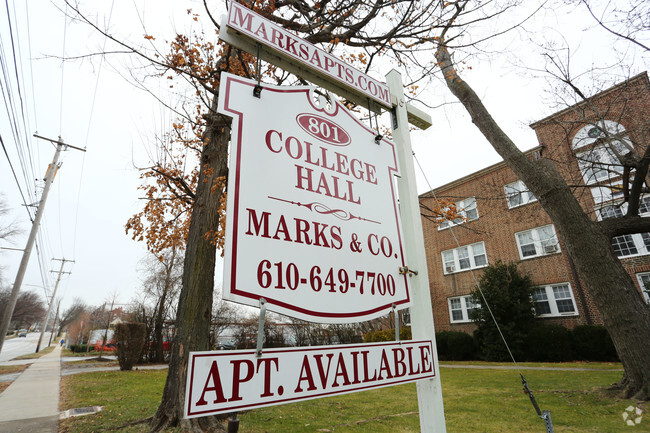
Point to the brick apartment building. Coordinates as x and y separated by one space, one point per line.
504 221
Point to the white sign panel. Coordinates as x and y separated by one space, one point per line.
288 45
229 381
312 220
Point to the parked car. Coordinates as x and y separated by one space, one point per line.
22 333
110 347
225 346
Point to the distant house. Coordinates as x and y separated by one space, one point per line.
504 221
97 336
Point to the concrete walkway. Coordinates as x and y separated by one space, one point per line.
31 403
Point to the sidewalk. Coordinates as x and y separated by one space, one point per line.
31 403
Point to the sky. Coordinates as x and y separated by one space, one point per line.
91 103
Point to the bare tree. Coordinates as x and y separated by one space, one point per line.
161 286
625 315
73 313
29 309
8 229
224 316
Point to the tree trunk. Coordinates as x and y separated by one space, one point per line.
195 301
624 313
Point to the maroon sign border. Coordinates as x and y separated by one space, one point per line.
233 268
195 355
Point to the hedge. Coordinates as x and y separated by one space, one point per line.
593 343
79 348
455 346
387 335
544 343
550 343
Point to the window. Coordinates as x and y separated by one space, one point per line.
644 282
464 258
628 245
589 134
598 164
465 209
607 193
537 242
461 308
517 194
644 205
554 300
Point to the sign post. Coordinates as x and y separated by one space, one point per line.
432 415
314 231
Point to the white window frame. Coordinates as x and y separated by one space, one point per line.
466 304
636 240
589 134
645 286
599 164
451 259
518 188
543 246
462 208
607 193
552 293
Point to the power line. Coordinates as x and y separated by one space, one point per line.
49 178
13 171
90 119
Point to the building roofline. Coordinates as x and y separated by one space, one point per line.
476 174
616 87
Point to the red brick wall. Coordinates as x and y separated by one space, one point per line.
496 226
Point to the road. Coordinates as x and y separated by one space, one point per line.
22 345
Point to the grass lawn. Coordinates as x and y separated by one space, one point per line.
69 353
7 369
476 400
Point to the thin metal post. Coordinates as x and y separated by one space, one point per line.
396 314
260 327
432 414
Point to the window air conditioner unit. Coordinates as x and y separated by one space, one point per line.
548 249
449 269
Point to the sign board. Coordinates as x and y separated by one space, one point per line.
312 59
312 216
230 381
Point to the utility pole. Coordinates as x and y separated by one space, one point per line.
49 178
49 308
56 317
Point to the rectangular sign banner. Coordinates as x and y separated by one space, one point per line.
288 45
313 222
230 381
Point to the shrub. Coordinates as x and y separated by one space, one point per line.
455 346
549 343
79 348
387 335
592 343
508 293
130 338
